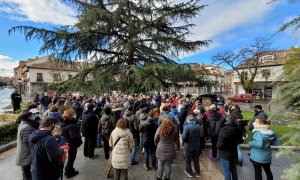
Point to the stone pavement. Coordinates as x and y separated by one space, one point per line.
96 169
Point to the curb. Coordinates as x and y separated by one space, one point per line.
8 146
246 146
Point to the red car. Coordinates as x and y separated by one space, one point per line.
242 98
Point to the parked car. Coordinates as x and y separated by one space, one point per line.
242 98
215 98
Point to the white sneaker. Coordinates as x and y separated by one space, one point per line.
189 175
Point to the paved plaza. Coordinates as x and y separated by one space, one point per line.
96 169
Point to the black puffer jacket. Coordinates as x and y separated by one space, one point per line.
229 137
149 128
216 121
89 127
71 132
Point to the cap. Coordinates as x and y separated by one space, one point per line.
257 107
34 110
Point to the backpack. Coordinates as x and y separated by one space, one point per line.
106 128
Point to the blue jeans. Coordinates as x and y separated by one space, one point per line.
99 140
44 108
240 154
147 153
134 149
229 169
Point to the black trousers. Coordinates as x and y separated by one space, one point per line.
26 172
105 146
258 170
214 140
69 169
202 144
89 146
189 156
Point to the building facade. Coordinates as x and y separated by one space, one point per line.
267 79
34 75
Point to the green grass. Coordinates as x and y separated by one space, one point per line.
280 130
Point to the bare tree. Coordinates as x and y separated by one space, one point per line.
247 59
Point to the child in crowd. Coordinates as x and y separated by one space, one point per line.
57 131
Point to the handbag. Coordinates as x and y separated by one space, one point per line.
110 158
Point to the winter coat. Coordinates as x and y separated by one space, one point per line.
89 126
23 155
45 101
263 138
182 117
105 125
165 146
229 137
121 150
148 129
133 123
16 98
78 109
191 136
260 114
71 132
46 156
215 121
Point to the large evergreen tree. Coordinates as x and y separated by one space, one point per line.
116 35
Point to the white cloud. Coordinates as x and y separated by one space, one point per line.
223 16
43 11
7 65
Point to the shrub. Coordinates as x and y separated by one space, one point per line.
7 130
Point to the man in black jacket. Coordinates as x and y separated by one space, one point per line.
16 100
89 130
259 113
229 137
46 156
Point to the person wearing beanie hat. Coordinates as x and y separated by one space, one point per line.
229 137
259 113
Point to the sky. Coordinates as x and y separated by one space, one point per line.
229 24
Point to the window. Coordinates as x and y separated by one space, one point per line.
56 77
39 77
267 58
69 77
265 73
244 75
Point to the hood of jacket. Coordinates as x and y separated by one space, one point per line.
128 113
216 116
31 123
265 130
38 134
121 132
175 111
105 117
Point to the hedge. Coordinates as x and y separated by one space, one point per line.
8 130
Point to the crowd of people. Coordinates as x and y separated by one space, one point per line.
51 129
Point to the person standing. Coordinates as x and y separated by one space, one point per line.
148 130
191 139
215 121
259 113
261 152
45 101
121 141
165 141
46 155
133 126
105 128
23 155
71 132
89 130
16 100
229 138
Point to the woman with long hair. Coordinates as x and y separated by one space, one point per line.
71 132
156 113
121 141
165 140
